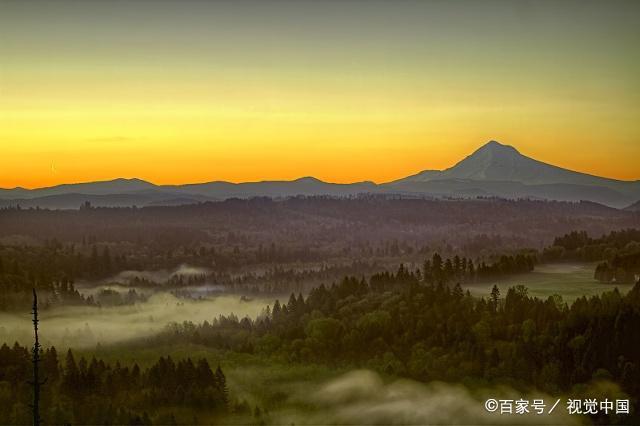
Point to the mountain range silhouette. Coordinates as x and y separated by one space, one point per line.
493 170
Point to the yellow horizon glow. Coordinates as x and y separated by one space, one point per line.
171 148
346 137
97 91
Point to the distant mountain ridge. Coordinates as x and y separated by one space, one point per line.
501 170
493 170
497 162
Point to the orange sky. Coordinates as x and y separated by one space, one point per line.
200 91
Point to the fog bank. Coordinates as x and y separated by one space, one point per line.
86 326
362 397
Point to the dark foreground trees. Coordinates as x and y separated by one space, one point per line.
93 392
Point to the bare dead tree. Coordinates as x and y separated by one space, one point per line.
35 359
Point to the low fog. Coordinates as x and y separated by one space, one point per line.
362 397
158 276
86 326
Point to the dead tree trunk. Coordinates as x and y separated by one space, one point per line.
35 359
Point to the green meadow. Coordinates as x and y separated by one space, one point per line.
569 280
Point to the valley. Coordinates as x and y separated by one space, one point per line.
319 213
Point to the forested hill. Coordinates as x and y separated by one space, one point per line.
329 223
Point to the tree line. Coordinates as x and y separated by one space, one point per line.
618 253
461 269
317 228
95 392
52 269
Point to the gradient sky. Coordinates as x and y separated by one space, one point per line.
190 91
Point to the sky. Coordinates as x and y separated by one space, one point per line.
194 91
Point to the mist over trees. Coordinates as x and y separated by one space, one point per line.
402 324
367 282
278 246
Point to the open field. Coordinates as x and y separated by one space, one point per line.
569 280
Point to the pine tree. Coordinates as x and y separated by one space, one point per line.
436 267
495 297
276 311
221 382
71 377
50 364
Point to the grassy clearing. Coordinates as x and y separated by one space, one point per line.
569 280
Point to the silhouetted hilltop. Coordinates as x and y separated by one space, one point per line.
635 207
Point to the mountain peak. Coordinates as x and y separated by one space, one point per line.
495 146
493 161
308 179
131 180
